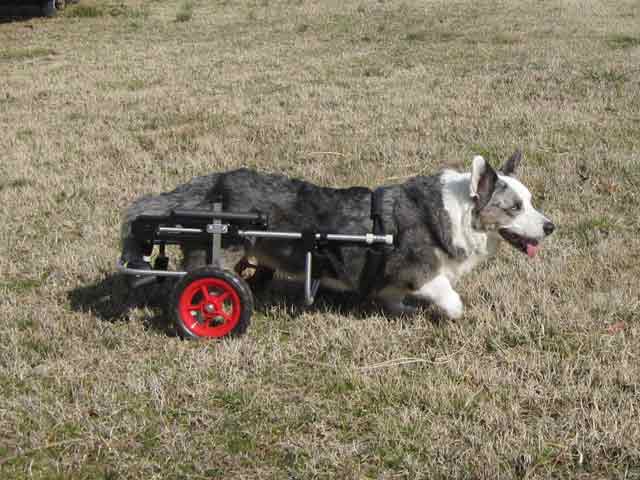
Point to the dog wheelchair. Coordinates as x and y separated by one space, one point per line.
213 302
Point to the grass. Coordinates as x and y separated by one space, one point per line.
185 13
85 11
91 9
18 53
622 41
539 379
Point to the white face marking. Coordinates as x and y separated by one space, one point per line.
529 222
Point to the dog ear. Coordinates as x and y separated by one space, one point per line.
510 165
483 181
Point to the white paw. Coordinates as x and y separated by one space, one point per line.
453 306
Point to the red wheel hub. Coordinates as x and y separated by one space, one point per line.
209 307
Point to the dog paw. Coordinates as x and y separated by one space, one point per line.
399 309
453 307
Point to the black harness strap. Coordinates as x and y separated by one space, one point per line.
323 251
376 258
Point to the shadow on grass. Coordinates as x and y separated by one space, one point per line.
112 300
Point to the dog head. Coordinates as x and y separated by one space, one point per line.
502 204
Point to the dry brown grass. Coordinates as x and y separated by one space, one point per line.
540 377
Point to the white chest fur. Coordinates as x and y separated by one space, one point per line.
477 245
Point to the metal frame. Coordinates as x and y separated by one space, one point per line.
216 229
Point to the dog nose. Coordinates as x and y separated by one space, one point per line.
548 228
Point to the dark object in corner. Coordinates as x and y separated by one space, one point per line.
31 8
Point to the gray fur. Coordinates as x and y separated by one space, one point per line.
295 205
421 227
414 214
188 195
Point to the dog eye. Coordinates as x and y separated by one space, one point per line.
516 207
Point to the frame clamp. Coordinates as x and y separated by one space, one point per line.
219 229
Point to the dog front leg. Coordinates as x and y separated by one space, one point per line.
440 292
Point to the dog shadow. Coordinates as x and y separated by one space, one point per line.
111 299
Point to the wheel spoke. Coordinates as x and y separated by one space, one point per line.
223 296
205 292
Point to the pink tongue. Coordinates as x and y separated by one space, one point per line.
532 250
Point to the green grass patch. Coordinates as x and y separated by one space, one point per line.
146 142
622 41
240 442
16 184
37 348
20 285
430 36
418 36
24 134
131 85
85 11
122 10
135 84
185 13
491 153
538 158
118 10
25 53
506 39
608 75
589 232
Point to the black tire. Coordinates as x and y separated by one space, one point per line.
49 8
225 311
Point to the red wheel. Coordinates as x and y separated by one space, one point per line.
211 303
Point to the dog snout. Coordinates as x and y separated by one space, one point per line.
548 228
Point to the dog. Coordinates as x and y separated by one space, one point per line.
443 225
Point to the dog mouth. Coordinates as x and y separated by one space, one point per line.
524 244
